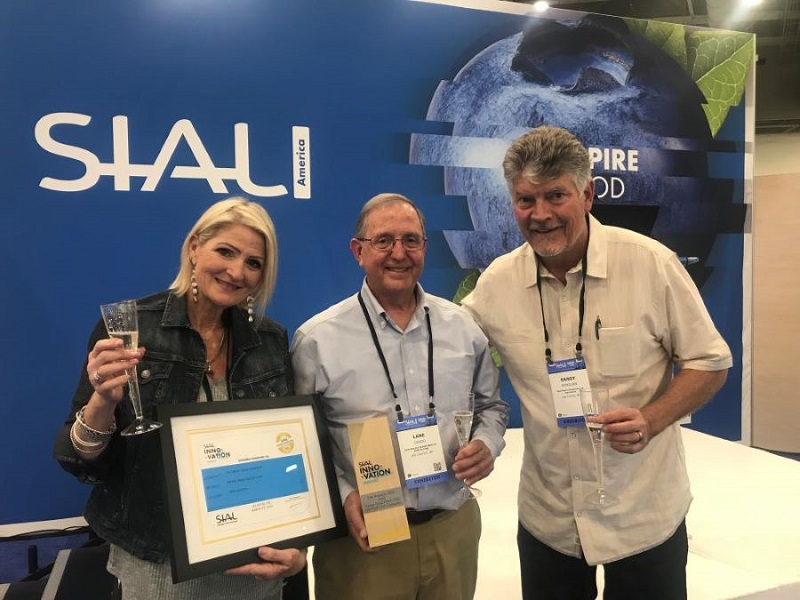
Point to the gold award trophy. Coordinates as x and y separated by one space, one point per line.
378 481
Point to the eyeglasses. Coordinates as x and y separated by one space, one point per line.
385 243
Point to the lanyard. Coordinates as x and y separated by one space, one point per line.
397 408
548 355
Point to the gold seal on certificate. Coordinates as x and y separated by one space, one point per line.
378 481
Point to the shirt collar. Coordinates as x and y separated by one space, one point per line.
597 258
378 313
175 313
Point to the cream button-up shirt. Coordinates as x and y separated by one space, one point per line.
653 320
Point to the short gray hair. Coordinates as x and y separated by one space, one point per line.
383 200
546 153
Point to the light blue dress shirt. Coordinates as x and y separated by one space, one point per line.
333 354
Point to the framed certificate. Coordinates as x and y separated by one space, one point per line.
243 474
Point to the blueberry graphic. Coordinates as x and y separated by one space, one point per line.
616 91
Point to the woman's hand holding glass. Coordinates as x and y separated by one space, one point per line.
122 322
107 365
107 368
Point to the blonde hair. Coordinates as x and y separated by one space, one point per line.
232 211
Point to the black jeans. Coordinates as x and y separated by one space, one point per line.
656 574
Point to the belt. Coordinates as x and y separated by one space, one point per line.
415 517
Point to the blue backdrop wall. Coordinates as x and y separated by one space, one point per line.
122 122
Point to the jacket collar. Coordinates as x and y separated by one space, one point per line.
244 333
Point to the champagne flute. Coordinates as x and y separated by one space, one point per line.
463 423
595 402
121 322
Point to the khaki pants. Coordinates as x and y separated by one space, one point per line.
439 562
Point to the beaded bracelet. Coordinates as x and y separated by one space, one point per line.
86 449
94 435
86 444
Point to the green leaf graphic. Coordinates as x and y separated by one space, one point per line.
719 63
670 37
496 357
464 289
467 285
709 49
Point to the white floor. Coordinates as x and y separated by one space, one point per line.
744 524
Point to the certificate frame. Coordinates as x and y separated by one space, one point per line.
242 474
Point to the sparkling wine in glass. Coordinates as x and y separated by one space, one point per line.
595 402
463 422
121 322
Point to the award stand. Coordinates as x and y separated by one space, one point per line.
378 481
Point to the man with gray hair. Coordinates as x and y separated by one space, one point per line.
582 306
392 349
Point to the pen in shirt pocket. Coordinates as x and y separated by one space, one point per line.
598 325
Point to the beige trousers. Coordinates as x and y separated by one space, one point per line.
439 562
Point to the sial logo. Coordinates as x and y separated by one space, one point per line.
225 518
370 472
122 169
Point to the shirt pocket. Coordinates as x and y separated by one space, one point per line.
619 351
453 375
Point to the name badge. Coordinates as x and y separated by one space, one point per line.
567 377
421 451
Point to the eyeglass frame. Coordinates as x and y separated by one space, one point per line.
401 239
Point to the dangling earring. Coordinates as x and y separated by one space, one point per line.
194 286
250 302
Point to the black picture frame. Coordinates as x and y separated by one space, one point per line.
189 458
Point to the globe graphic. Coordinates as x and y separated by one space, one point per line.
617 92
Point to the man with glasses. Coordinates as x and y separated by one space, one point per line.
372 354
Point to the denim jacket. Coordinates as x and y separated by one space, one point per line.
127 506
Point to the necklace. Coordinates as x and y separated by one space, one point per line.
209 370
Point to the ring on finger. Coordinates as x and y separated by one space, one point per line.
641 436
97 378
